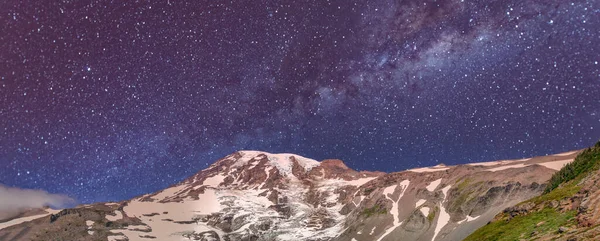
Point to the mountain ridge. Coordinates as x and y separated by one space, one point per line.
252 195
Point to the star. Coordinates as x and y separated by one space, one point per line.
133 97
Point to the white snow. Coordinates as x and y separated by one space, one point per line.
495 163
214 181
394 211
341 182
361 197
428 169
244 203
433 185
27 219
500 168
420 202
372 231
566 153
359 182
353 239
117 238
89 224
425 211
444 217
207 203
389 190
281 161
169 192
556 165
119 215
469 218
138 227
268 171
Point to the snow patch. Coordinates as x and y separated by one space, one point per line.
566 153
389 190
521 165
282 161
467 219
268 171
444 217
89 224
169 192
425 211
428 169
433 185
214 181
27 219
420 202
496 163
361 197
207 203
556 165
359 182
394 211
118 216
117 238
372 231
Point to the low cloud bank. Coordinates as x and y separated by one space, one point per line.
14 200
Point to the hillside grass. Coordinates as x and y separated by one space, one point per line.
586 162
375 210
522 227
563 184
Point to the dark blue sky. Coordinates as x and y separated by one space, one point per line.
107 100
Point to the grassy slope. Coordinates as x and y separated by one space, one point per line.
563 184
522 227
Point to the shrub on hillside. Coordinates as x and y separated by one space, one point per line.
585 162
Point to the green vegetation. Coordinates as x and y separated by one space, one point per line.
431 215
466 189
377 209
547 220
585 162
562 185
565 191
463 183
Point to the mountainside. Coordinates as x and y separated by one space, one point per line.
569 209
251 195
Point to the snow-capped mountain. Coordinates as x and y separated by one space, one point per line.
251 195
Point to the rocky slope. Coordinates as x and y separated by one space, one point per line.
252 195
568 210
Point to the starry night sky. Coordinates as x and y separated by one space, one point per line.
106 100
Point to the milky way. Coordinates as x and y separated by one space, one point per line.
108 100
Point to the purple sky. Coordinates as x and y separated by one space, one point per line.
104 101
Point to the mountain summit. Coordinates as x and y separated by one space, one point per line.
253 195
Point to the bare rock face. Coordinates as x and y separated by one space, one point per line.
251 195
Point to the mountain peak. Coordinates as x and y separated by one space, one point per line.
250 194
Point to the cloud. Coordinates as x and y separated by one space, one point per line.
14 200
